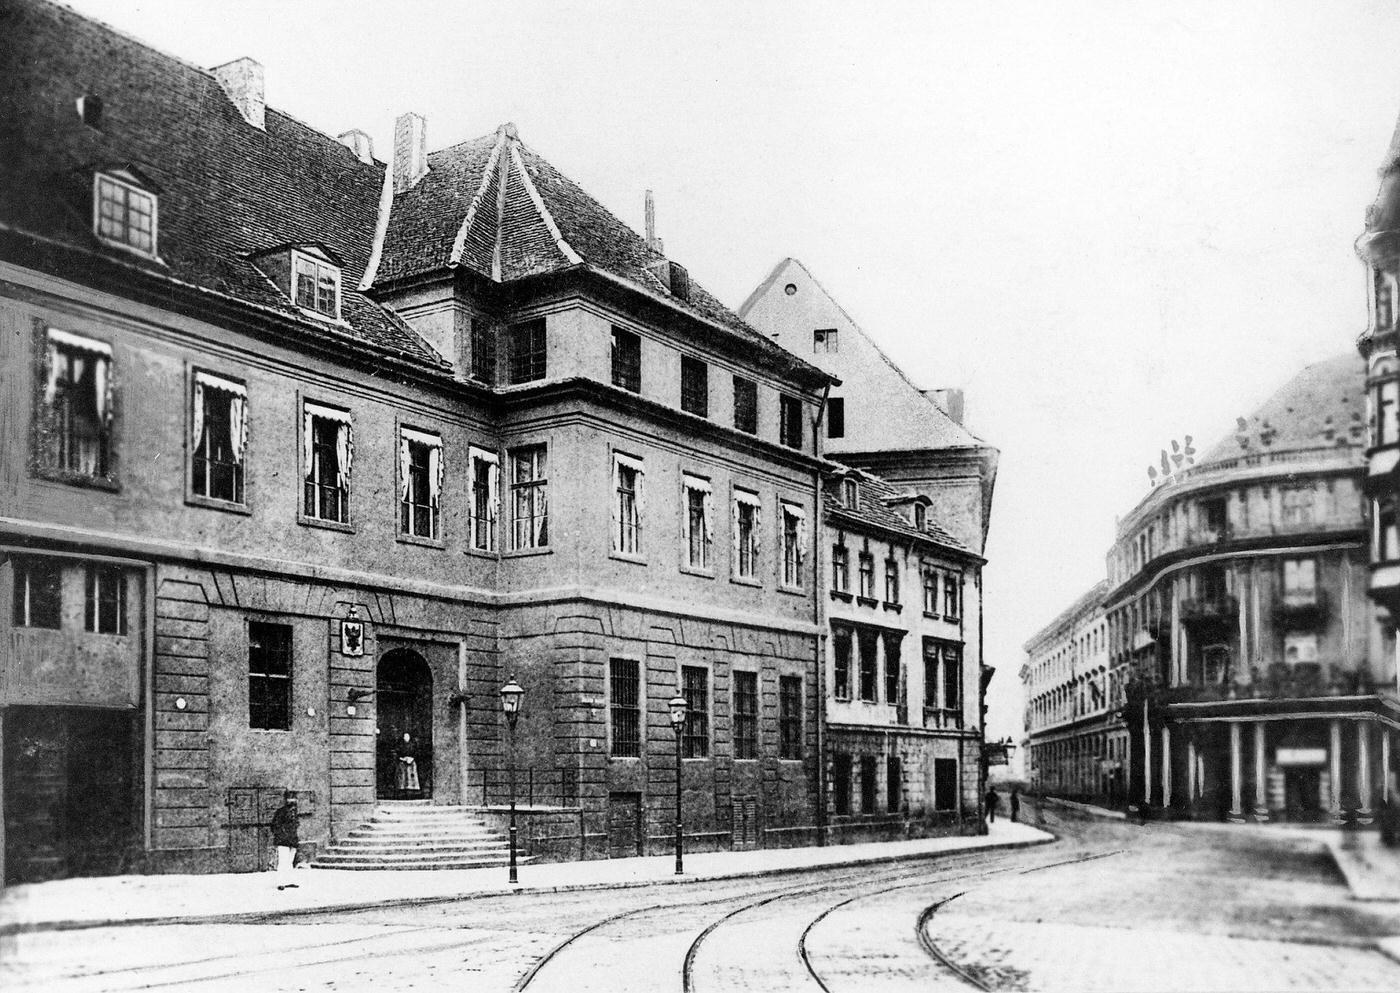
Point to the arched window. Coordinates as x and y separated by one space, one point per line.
1385 299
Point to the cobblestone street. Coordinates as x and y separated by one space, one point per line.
1111 906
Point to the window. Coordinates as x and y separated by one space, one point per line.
930 592
790 421
1386 539
75 417
836 417
841 652
841 782
627 504
869 785
867 576
695 386
790 717
745 715
1215 663
527 351
952 595
746 510
269 676
104 600
894 670
699 522
825 340
328 451
420 483
1299 646
1299 581
316 285
894 780
891 581
483 344
952 677
850 494
794 543
1213 517
1385 300
529 497
38 592
920 517
218 438
945 784
695 687
1298 505
124 214
485 498
933 682
1385 427
745 405
626 360
840 569
624 681
866 642
1210 585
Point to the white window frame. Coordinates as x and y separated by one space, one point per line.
345 457
436 469
750 499
317 263
794 559
700 485
130 189
539 487
237 393
638 515
493 497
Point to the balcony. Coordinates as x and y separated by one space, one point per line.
1302 611
1208 611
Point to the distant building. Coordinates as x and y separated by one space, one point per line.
1076 742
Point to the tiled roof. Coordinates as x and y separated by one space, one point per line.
226 189
875 495
1324 406
545 222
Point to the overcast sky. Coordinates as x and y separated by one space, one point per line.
1112 224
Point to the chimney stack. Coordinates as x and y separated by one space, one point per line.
242 80
950 401
359 143
653 242
410 151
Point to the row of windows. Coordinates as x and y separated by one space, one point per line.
38 595
841 583
846 768
856 653
628 725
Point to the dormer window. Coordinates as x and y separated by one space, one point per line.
920 517
849 493
124 214
316 285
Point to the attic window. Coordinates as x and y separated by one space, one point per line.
849 493
920 517
90 110
316 285
123 214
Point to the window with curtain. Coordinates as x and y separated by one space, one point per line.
75 415
867 576
794 543
420 483
893 670
698 522
930 592
841 658
866 646
746 539
218 438
891 581
840 568
952 595
485 498
529 487
328 453
628 504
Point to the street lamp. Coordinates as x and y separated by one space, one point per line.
511 694
678 707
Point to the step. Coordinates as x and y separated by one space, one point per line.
407 859
424 866
466 834
373 845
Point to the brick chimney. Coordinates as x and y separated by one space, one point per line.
653 242
410 151
359 143
949 400
242 80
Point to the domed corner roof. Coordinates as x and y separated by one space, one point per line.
1323 406
1378 244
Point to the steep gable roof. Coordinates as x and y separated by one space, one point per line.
227 190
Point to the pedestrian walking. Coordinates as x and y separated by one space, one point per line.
284 836
1015 804
993 801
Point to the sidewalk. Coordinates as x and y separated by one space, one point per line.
1372 871
116 900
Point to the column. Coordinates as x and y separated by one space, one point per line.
1385 763
1334 755
1166 766
1146 759
1261 775
1193 785
1363 772
1236 804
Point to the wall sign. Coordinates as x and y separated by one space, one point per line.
352 637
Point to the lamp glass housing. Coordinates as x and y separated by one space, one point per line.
678 707
511 694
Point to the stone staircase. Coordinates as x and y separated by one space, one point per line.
416 834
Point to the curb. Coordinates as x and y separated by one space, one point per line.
1087 808
258 916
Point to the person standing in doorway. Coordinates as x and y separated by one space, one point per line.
284 836
993 801
1015 804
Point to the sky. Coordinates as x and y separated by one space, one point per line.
1111 224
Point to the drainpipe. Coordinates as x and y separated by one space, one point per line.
819 619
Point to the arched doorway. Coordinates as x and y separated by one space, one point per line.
404 747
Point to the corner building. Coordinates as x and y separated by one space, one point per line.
306 454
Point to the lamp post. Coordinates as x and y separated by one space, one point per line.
511 693
678 707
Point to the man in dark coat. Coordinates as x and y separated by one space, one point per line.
1015 803
284 836
992 802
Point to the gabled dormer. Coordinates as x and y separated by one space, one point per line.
913 507
124 209
308 274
